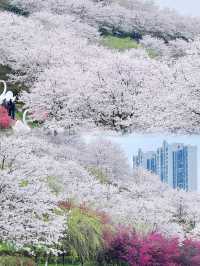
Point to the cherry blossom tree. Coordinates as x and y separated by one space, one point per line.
75 83
70 85
109 159
27 205
42 172
127 16
24 206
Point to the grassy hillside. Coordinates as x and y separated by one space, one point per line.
127 43
114 42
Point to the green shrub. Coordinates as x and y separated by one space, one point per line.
54 184
98 174
6 249
84 235
16 261
24 183
152 53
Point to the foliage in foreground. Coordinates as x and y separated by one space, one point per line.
16 261
141 93
154 249
85 233
91 241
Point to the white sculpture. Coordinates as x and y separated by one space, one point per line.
6 95
2 96
22 127
19 126
9 96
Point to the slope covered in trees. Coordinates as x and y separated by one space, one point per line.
135 18
60 50
50 180
95 174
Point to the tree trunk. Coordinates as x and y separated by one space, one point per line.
46 262
37 260
3 162
63 259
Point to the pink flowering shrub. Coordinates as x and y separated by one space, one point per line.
120 248
155 249
5 120
128 248
39 115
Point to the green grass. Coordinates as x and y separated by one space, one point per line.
119 43
69 264
19 115
61 264
16 261
85 264
23 183
127 43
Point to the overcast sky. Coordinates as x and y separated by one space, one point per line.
186 7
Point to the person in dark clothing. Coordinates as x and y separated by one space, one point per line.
5 104
11 109
9 104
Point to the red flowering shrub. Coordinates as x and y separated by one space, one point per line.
158 250
124 247
128 245
128 248
5 120
120 248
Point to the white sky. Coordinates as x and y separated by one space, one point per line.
186 7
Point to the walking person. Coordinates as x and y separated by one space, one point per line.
5 104
11 109
9 104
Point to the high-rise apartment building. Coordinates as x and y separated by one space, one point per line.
176 164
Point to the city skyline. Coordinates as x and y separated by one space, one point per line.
175 163
132 142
